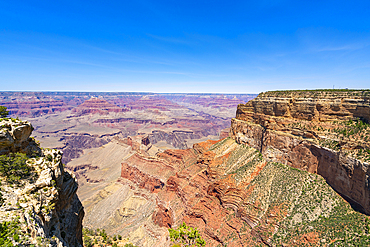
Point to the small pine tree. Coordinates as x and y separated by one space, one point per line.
3 111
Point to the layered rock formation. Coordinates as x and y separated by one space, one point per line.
38 197
176 138
153 102
97 106
237 194
320 131
31 104
77 121
232 195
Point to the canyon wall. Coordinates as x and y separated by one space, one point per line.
323 132
231 194
38 201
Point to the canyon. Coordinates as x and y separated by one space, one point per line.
286 168
289 173
77 121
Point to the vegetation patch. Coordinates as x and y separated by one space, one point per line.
14 167
186 236
99 237
3 112
9 231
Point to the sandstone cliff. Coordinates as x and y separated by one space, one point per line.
320 131
39 204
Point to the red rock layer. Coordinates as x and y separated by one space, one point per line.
197 192
153 102
34 107
143 180
265 123
97 106
310 105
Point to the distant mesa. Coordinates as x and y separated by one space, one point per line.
97 106
153 102
31 104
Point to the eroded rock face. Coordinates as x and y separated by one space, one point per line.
45 203
35 107
15 137
97 106
304 132
311 105
232 195
75 144
175 138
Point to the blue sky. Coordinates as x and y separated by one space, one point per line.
184 46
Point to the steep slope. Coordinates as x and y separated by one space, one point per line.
39 204
230 193
320 131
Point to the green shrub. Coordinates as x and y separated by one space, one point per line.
1 199
130 245
7 230
186 236
14 167
49 158
87 241
3 112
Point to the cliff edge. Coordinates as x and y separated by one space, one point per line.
321 131
38 201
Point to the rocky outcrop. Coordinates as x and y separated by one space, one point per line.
43 202
312 105
143 180
323 132
14 137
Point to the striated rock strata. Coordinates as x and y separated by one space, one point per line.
243 190
31 104
232 195
97 106
320 131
